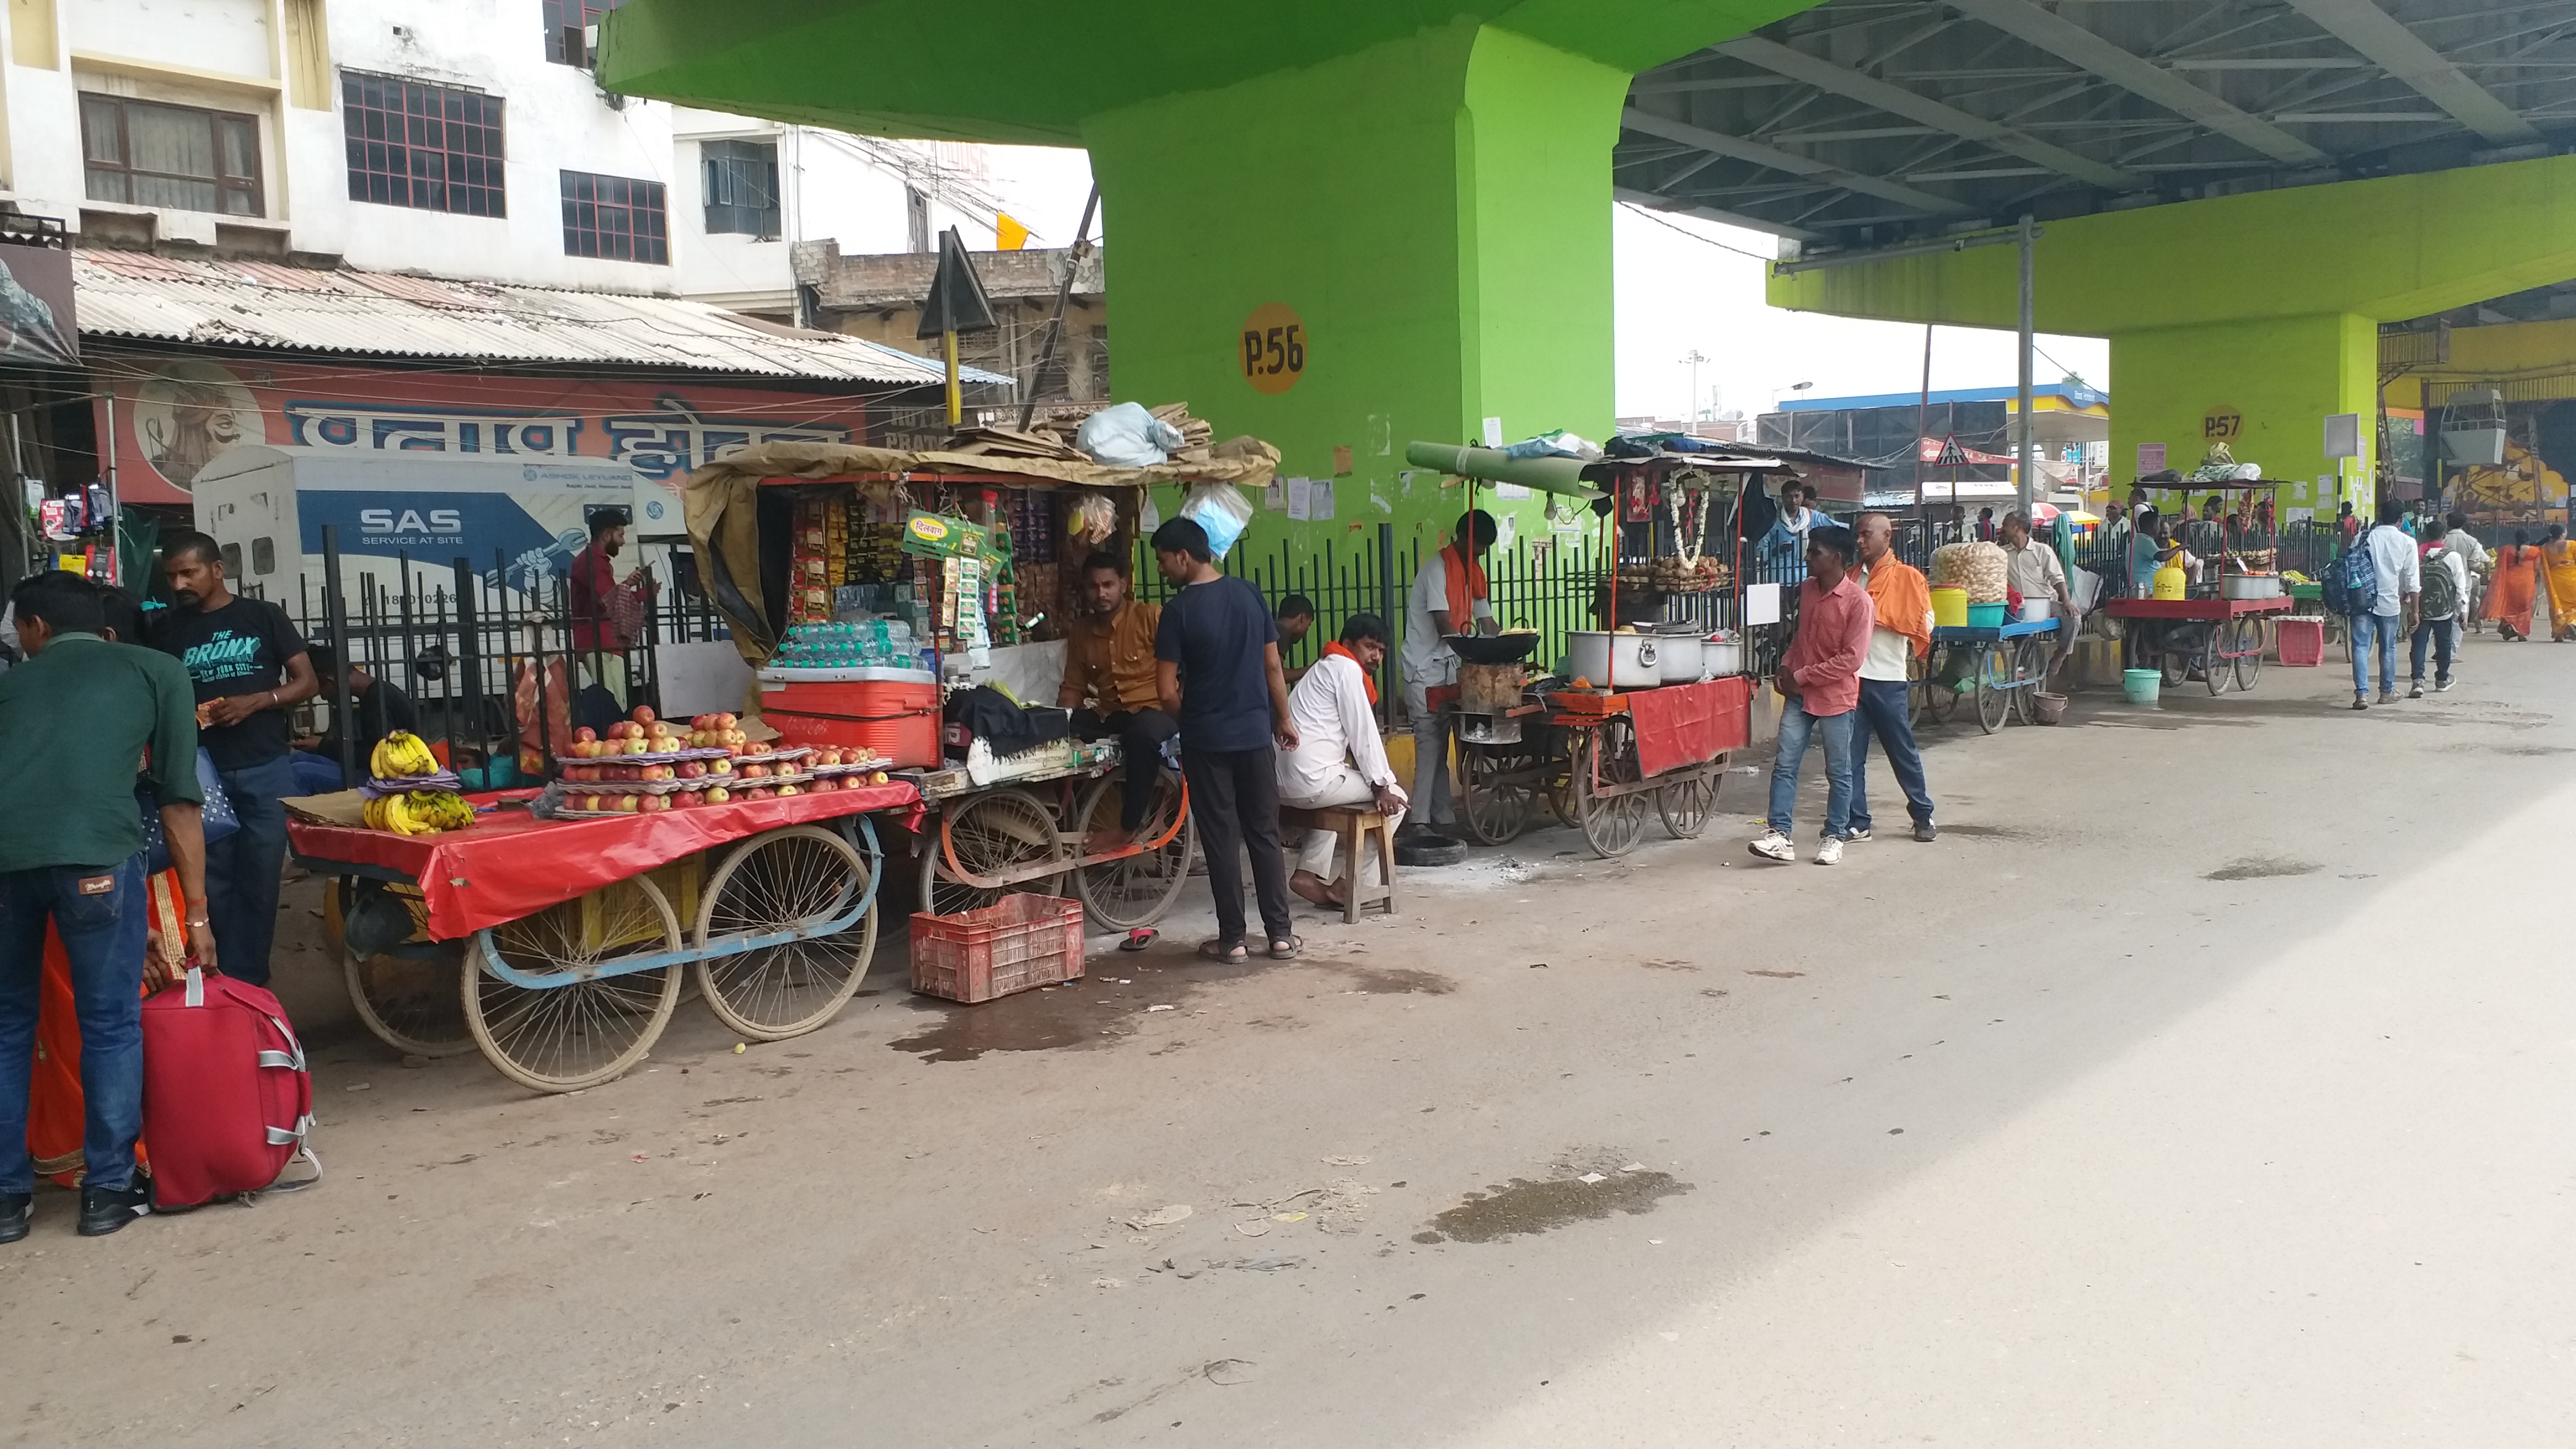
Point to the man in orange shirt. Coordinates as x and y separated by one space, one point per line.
1109 682
1900 632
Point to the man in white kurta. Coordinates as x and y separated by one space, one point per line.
1340 758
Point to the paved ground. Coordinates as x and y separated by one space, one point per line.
2206 1084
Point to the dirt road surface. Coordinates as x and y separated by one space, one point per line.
2207 1083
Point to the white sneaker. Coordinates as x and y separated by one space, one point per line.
1830 853
1775 846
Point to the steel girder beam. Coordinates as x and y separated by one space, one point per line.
1664 127
2397 50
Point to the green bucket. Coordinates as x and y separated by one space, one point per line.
2142 686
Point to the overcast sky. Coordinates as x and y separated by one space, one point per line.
1679 290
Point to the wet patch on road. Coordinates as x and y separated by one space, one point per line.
1523 1206
2523 752
1094 1011
1987 832
2263 867
1668 965
1390 980
1778 975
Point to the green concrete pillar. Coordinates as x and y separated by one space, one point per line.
1432 214
2271 380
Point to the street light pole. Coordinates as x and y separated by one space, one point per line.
1690 415
2026 452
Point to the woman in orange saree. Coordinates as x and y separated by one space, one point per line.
55 1123
2516 586
2558 578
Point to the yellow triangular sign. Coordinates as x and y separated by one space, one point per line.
1009 234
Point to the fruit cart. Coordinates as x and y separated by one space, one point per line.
2002 666
559 947
1026 823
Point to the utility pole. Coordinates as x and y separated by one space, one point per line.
2025 450
1690 418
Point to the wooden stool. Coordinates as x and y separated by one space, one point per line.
1357 830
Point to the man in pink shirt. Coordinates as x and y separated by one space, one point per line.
1819 687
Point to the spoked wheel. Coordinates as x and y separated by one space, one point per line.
1939 701
1687 804
564 1038
2248 648
993 834
407 997
1494 809
2213 670
800 879
1612 826
1994 670
1125 894
2030 670
2175 663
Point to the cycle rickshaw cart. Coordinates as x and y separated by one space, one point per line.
1655 732
560 948
2215 630
2001 666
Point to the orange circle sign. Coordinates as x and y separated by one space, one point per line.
1272 348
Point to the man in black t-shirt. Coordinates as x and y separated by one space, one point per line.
1216 665
249 667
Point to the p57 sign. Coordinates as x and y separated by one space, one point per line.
1273 348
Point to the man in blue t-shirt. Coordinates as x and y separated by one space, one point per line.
1216 659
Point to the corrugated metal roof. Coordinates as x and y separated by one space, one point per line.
306 309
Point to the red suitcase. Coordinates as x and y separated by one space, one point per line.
226 1099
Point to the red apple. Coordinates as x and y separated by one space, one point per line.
643 714
691 769
725 722
585 734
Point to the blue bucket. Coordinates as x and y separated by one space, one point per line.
1985 616
2142 686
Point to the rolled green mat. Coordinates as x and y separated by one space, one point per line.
1547 475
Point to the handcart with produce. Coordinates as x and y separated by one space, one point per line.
2212 629
1648 711
554 930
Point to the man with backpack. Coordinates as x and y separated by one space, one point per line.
2446 594
2374 583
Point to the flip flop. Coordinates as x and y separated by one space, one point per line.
1287 948
1216 950
1138 939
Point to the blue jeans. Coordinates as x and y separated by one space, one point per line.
2386 626
315 774
1886 714
102 931
2438 633
1839 735
242 868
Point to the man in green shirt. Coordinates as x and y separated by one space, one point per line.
77 719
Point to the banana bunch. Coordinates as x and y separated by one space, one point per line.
400 755
421 812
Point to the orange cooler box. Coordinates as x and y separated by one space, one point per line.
895 716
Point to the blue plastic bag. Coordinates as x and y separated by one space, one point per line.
220 821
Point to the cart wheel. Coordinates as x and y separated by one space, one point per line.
2249 653
408 1000
993 833
1687 804
1994 671
1940 703
801 878
1136 891
1493 810
1612 826
564 1038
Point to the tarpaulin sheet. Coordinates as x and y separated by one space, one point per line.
1688 724
510 864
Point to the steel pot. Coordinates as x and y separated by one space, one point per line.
1614 661
1681 658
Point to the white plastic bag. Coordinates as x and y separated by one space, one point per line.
1221 509
1127 436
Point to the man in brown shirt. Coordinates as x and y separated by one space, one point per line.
1109 679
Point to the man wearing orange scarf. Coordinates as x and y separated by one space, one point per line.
1903 632
1448 597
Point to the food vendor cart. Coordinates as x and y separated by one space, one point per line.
2003 665
857 543
559 947
2216 627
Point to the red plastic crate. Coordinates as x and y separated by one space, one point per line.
1018 942
2302 642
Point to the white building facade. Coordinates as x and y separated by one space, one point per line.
462 139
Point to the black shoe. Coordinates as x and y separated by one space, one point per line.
1926 831
2415 690
17 1209
2360 702
106 1209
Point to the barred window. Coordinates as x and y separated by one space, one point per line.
432 147
742 187
615 218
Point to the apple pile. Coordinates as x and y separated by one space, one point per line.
745 773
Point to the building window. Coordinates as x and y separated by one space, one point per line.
433 147
612 217
916 216
147 154
568 25
742 187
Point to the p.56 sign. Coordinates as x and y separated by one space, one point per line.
1273 348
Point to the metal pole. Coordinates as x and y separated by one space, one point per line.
2026 450
336 620
468 664
1922 421
1387 615
112 495
1063 295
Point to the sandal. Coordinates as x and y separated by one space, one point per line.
1286 948
1231 954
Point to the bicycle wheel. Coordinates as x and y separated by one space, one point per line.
1493 807
797 879
2249 658
2030 671
2213 669
1994 671
1137 890
993 833
585 1032
407 996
